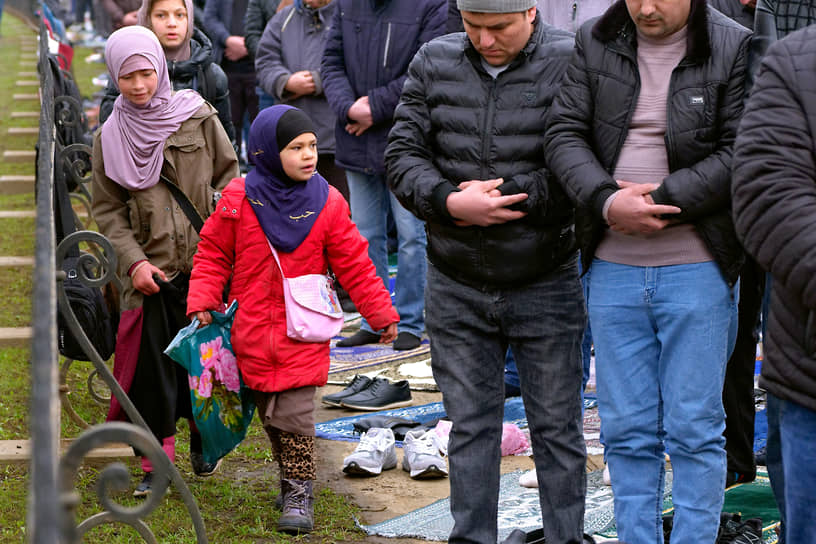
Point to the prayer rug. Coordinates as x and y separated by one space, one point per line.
343 428
370 355
519 508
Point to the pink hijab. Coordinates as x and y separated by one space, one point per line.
133 137
183 51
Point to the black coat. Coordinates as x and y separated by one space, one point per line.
774 191
591 114
258 13
199 73
455 123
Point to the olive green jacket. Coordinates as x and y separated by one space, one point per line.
149 224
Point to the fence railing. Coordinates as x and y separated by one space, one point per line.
54 499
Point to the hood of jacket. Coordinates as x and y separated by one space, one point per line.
201 54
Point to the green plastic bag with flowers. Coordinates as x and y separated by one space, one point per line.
222 406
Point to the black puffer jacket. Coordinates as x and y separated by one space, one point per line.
775 208
456 123
199 73
590 119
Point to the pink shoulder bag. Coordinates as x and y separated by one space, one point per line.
313 312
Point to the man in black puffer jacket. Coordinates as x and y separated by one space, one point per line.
465 157
774 188
641 137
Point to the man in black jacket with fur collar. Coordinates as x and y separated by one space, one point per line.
641 137
465 156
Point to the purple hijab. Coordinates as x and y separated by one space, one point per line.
133 137
285 208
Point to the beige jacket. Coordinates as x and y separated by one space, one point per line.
149 224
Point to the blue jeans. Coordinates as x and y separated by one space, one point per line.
265 100
662 338
370 201
470 331
797 429
773 454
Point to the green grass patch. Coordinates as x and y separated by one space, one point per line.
15 284
18 236
24 201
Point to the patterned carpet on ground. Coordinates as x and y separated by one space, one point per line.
370 355
343 428
519 509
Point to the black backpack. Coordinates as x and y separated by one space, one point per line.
91 310
97 320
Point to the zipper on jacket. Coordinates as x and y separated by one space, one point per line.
387 43
486 132
288 18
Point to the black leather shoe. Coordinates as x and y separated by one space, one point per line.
406 341
359 338
380 395
357 384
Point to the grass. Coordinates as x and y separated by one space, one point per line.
236 503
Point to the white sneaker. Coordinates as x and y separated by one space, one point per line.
423 455
607 479
529 479
373 454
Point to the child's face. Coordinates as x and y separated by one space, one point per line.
169 21
299 157
139 87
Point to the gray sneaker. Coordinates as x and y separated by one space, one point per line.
423 457
375 452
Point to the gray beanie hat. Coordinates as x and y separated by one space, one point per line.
495 6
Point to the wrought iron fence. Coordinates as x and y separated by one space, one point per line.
54 499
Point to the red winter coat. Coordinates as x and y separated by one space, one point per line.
232 242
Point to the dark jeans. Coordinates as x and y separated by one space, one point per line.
470 330
243 99
738 388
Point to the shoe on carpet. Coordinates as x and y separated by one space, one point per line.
359 338
358 383
533 537
733 478
423 455
406 341
529 479
737 531
380 395
201 467
375 452
297 515
761 456
145 486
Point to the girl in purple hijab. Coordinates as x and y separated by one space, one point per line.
155 137
286 204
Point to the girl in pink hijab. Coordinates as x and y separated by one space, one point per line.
155 137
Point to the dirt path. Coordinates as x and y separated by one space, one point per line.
392 493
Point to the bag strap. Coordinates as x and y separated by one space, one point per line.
65 212
277 260
185 204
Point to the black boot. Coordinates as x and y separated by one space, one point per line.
298 507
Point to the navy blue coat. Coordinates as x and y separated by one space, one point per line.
368 50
